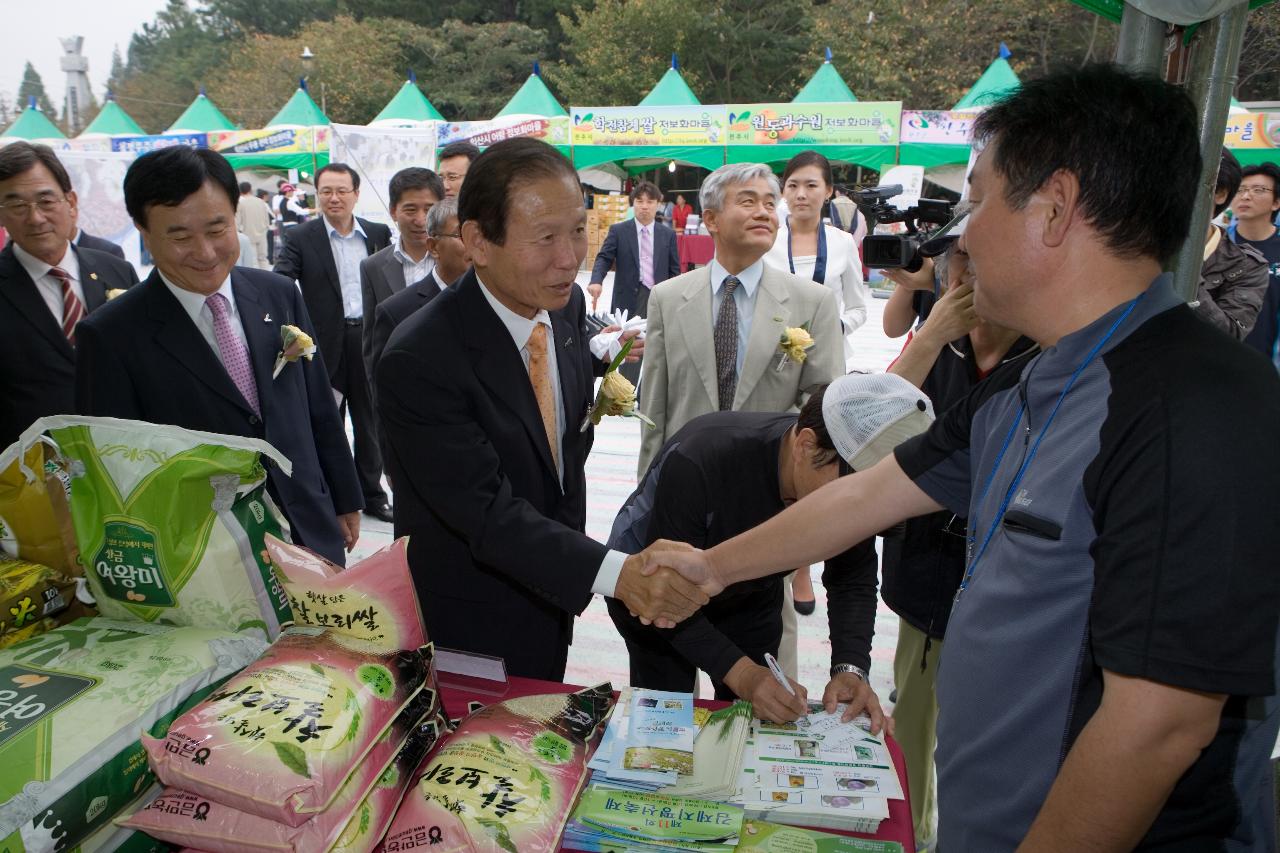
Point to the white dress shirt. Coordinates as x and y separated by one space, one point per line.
520 329
653 249
441 283
744 297
414 271
348 252
50 287
202 316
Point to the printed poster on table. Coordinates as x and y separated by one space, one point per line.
688 125
1253 130
859 123
482 134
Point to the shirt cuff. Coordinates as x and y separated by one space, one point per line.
607 577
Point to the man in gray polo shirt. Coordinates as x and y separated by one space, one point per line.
1119 604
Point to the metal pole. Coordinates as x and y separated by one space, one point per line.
1141 42
1211 77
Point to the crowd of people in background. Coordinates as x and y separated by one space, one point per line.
1087 643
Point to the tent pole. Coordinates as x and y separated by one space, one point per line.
1215 61
1141 42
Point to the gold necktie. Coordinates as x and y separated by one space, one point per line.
540 377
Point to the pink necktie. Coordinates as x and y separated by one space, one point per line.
72 307
646 258
235 355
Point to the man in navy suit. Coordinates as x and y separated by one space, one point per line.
47 285
324 257
483 395
641 252
195 344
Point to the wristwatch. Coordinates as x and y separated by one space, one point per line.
848 667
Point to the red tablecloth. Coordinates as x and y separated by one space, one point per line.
694 249
456 692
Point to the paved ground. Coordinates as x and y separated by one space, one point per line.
598 653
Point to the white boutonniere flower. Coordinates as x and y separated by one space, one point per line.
795 340
295 344
617 396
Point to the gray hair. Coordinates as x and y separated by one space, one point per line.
439 214
717 184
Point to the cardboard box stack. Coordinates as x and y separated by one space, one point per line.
606 211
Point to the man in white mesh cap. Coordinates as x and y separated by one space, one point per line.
765 461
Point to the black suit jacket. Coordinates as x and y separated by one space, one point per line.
141 357
308 259
621 252
37 365
85 240
390 313
495 544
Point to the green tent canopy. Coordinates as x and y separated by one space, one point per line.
997 81
825 86
299 111
112 120
409 104
33 124
203 116
533 98
672 90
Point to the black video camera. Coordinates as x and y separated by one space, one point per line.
903 251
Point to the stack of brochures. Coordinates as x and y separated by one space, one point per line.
818 772
609 820
649 742
760 837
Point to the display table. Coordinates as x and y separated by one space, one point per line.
456 692
694 249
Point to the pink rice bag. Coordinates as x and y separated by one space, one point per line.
353 823
506 780
374 600
280 739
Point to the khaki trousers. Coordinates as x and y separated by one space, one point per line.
915 719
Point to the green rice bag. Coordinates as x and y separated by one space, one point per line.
170 523
73 705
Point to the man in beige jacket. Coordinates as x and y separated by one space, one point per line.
705 354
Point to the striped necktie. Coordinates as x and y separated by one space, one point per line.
72 307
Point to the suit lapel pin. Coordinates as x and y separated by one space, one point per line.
568 342
93 275
266 318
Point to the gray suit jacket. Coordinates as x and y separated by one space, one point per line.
381 277
679 379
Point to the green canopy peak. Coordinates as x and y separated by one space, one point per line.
299 111
409 104
533 98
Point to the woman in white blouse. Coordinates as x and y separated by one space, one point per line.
810 249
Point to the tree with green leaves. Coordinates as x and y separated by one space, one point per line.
33 84
730 50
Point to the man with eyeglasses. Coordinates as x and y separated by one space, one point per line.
1255 207
1233 278
47 285
324 257
452 163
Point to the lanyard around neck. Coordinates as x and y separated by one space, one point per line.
820 265
1026 463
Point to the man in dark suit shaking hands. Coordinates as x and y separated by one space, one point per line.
483 395
195 346
47 285
324 257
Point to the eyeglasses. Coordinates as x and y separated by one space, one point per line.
21 208
452 176
1254 189
330 192
454 236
